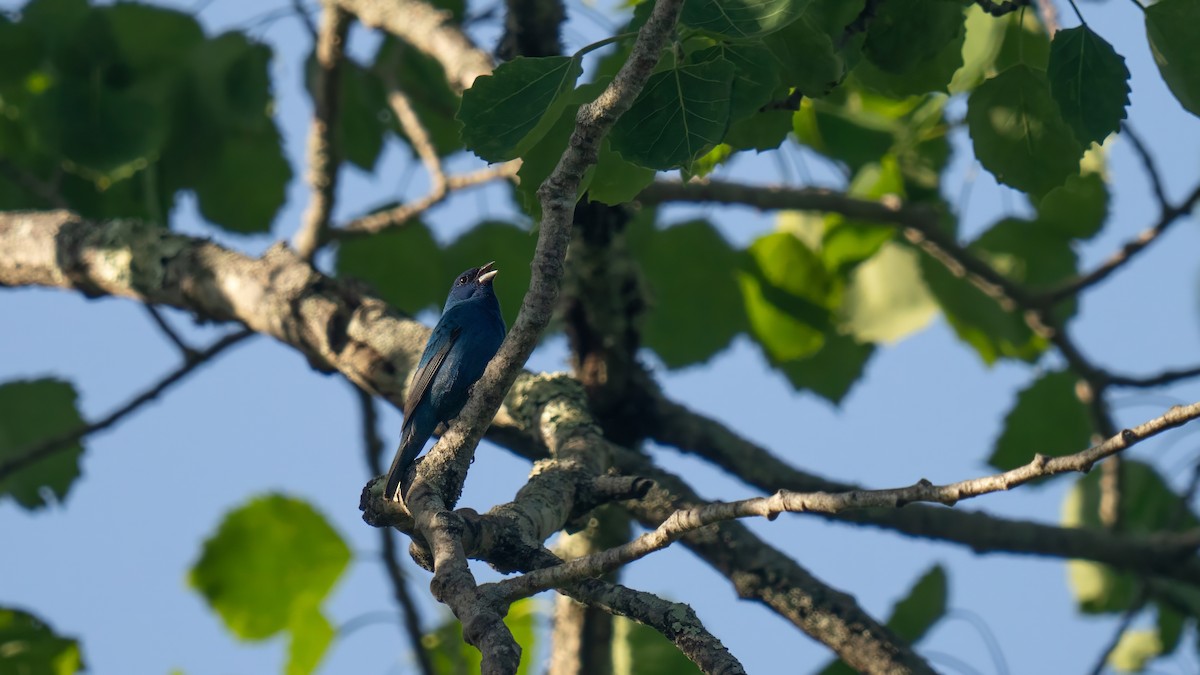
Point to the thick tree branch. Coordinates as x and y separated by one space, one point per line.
323 159
57 444
430 30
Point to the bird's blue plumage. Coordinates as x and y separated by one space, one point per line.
463 341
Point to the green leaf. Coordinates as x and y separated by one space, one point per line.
680 115
1019 134
363 113
268 566
761 131
639 649
245 183
101 133
855 137
152 38
785 288
1171 30
1090 82
886 299
20 52
616 181
1048 418
845 243
932 74
30 647
832 370
1077 208
806 58
905 33
404 265
741 18
311 636
1025 42
681 263
1136 648
1032 255
756 78
33 412
55 20
984 36
504 114
507 244
232 82
1147 505
915 614
449 653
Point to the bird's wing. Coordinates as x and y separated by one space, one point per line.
429 368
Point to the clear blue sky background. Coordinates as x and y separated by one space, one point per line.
109 565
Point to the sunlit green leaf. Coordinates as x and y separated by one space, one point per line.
30 647
886 299
33 412
270 563
681 114
1019 134
616 181
639 649
1077 208
1090 82
505 113
785 288
984 36
450 654
311 635
1171 29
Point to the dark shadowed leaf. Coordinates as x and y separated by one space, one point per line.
616 181
741 18
1019 134
363 113
765 130
246 181
512 249
32 412
424 80
680 115
756 80
1077 208
806 58
232 81
832 370
153 38
404 265
268 567
506 113
1171 29
1048 418
1090 82
906 33
1025 42
932 74
681 264
30 647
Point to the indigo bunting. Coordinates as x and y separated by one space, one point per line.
463 341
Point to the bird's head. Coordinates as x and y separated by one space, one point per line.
475 283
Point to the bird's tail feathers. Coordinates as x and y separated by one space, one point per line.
405 454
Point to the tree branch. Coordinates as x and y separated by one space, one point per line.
59 443
323 152
430 30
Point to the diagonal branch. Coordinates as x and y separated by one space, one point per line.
60 443
411 619
323 157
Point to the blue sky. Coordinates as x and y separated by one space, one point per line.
110 565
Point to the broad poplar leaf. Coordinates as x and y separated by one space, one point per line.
1171 27
886 299
245 181
504 114
311 635
681 114
32 412
785 288
681 263
1077 208
449 652
1026 428
28 646
1019 134
905 33
806 58
831 371
268 566
739 19
756 80
404 265
616 181
1090 82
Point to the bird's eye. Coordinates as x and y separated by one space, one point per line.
462 280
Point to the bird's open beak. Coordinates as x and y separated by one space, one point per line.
486 273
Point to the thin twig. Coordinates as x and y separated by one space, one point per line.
687 520
47 192
323 153
59 443
302 14
404 213
1002 8
1148 163
1127 619
410 619
1125 254
1149 381
184 348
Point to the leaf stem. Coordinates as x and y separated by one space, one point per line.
1079 14
602 43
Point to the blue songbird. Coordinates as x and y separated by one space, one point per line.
463 341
